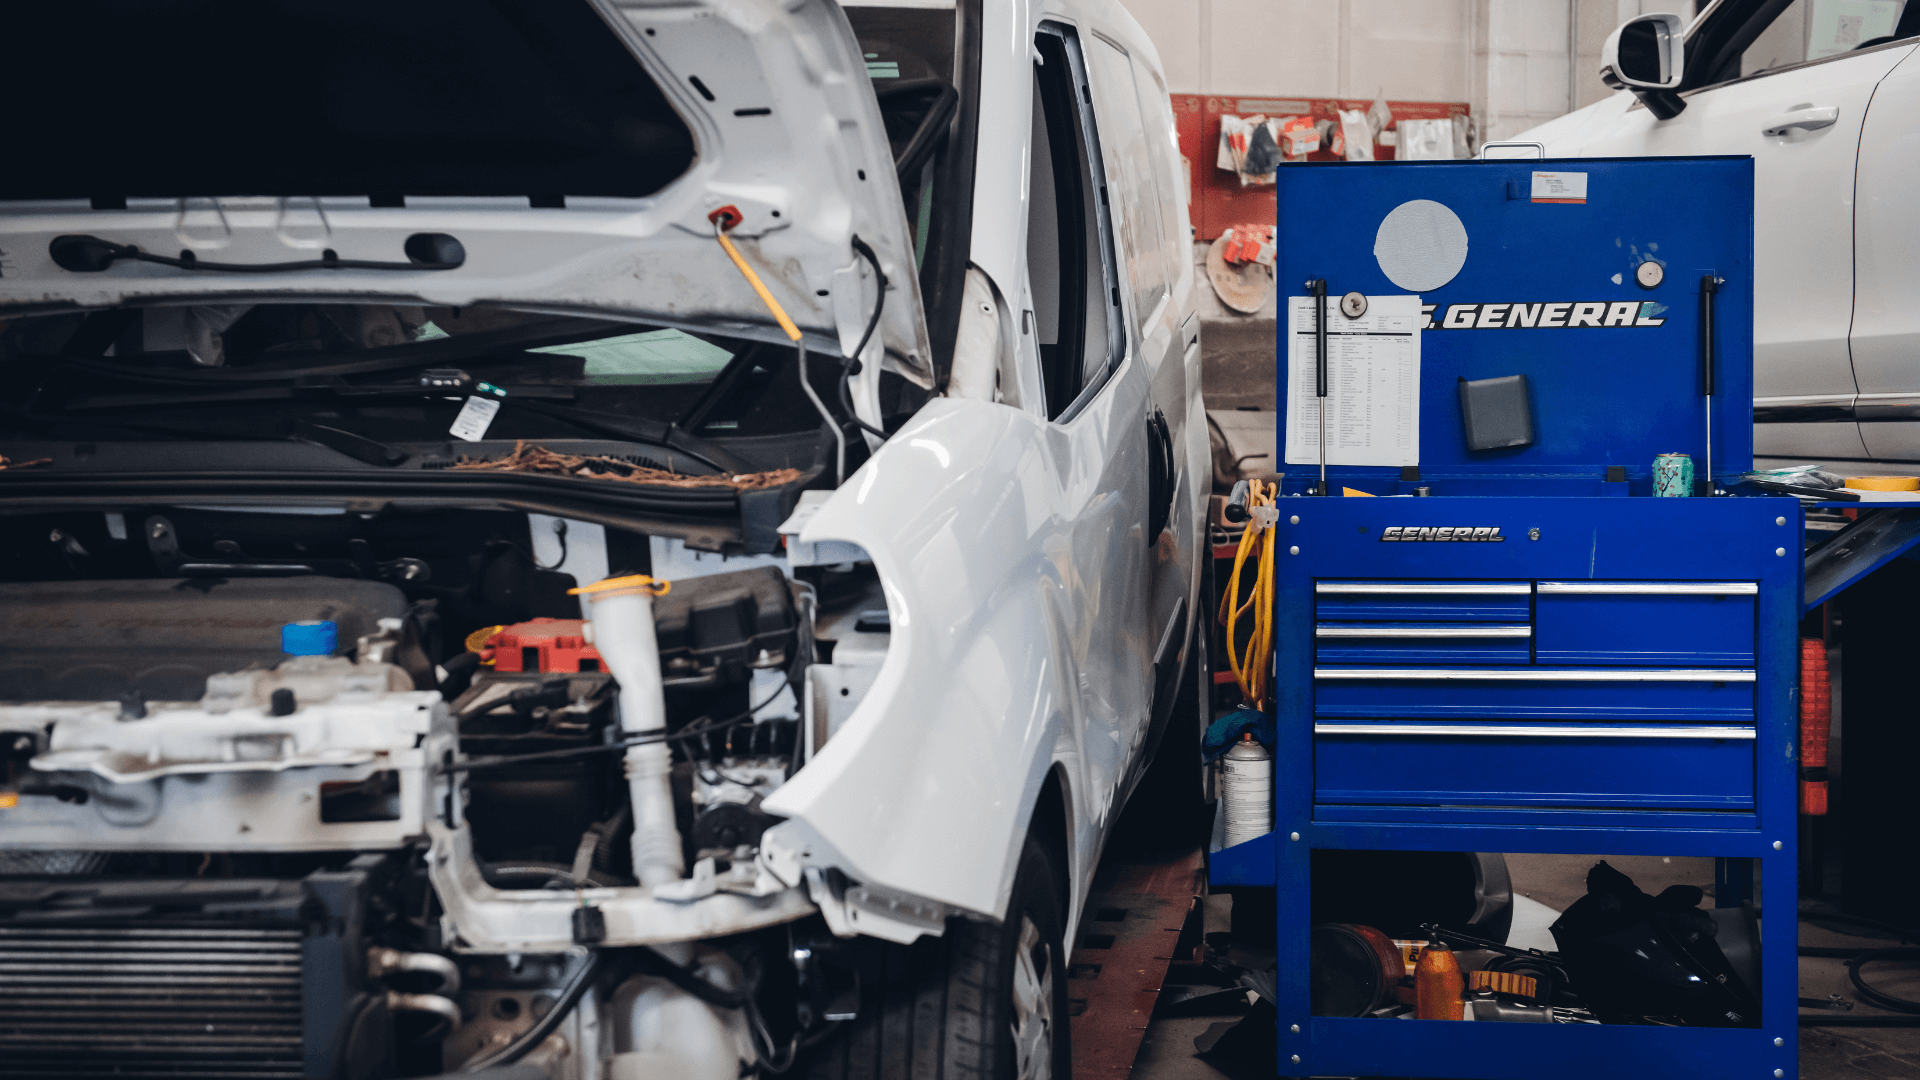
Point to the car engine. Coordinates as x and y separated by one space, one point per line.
365 795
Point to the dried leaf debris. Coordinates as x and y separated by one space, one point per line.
539 459
7 463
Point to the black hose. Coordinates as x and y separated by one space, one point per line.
575 989
848 363
650 962
1880 998
1859 958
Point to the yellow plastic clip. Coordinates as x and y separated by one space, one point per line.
624 584
482 638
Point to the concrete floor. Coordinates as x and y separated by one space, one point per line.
1167 1051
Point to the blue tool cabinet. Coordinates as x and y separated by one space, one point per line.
1610 672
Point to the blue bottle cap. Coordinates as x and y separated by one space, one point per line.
309 638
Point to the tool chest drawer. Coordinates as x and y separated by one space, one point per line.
1422 643
1619 766
1536 693
1424 601
1644 622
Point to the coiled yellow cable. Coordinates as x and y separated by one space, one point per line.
1252 664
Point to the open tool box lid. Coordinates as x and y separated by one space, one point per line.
1513 252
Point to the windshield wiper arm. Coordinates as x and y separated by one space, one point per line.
636 429
82 254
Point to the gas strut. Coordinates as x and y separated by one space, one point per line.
1317 287
1709 285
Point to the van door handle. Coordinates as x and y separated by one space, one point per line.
1806 118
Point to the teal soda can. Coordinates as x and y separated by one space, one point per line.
1673 475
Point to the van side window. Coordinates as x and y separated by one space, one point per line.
1069 245
1132 176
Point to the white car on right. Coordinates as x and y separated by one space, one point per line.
1825 97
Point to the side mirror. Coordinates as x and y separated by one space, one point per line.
1647 54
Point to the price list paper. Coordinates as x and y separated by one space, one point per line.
1373 383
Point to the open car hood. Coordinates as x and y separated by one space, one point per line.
574 148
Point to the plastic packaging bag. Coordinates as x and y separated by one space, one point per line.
1263 152
1425 140
1358 135
1379 117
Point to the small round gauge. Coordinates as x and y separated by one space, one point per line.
1649 274
1353 305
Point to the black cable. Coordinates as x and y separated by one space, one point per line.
847 363
1880 998
575 989
650 962
695 730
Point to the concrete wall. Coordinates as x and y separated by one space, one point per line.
1516 62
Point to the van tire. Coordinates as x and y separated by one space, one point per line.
943 1008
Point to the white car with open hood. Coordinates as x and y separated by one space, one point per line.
583 538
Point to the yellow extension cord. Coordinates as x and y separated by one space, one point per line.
1252 665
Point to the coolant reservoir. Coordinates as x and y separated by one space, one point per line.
1246 786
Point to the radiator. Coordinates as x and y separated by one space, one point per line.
132 1001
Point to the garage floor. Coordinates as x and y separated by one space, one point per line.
1543 885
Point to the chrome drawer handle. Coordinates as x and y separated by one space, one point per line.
1519 674
1650 588
1423 631
1557 731
1421 588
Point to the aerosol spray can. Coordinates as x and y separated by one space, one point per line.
1673 475
1246 785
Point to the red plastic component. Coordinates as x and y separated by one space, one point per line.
544 645
1816 717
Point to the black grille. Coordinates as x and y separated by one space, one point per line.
150 1001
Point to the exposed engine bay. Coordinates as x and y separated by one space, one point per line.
399 792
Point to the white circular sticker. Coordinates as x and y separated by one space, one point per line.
1421 245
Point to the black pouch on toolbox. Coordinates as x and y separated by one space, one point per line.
1497 413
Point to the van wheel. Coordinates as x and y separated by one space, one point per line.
982 1002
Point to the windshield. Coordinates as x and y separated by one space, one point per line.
352 97
909 55
388 373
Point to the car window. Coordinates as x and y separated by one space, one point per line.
1801 32
1131 175
1069 243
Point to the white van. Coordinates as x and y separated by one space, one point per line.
584 539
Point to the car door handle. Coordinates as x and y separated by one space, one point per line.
1807 119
